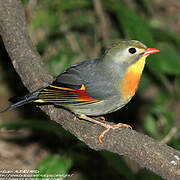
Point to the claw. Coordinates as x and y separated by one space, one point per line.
116 126
107 126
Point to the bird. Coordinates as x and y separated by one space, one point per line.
95 87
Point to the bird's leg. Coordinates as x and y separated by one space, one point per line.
107 126
115 126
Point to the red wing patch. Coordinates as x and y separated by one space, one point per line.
66 95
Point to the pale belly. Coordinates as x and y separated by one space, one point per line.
97 109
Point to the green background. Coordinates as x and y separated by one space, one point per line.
68 31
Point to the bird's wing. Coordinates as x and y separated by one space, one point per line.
61 93
67 88
77 85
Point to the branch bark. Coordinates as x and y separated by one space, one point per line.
158 157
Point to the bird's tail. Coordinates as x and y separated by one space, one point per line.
19 101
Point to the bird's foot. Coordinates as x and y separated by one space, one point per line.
107 126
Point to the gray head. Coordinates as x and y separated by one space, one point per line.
125 52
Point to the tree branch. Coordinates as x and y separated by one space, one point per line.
158 157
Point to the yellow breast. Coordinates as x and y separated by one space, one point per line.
132 77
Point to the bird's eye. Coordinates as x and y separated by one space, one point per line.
132 50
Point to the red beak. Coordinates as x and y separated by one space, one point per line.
151 51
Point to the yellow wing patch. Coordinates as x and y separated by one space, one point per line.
65 95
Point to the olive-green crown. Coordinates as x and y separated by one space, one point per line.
129 43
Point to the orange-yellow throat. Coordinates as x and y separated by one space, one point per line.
132 78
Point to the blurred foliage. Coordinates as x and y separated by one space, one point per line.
54 165
66 32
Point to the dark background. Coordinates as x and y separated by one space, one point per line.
66 32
